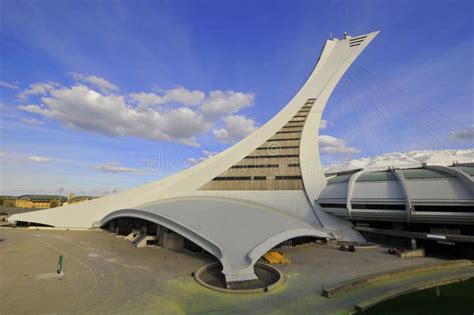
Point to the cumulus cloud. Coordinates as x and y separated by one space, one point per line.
235 128
333 145
466 134
117 168
229 102
33 108
96 109
99 82
179 95
40 88
9 85
206 155
38 159
81 108
184 96
146 99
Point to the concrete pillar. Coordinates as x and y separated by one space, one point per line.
169 239
163 236
413 244
174 241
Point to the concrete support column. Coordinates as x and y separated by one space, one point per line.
174 240
403 185
163 237
350 190
413 244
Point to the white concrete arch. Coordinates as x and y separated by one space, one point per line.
177 227
350 190
236 232
279 238
406 193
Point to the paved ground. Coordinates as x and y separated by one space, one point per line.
14 210
105 274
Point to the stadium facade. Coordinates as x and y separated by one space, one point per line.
256 194
430 194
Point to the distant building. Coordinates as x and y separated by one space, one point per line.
39 201
8 201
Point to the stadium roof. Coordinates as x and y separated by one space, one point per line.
42 197
429 194
413 159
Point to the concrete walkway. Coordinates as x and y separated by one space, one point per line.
349 300
104 274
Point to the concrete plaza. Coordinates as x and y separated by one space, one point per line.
105 274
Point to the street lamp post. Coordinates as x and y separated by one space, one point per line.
60 195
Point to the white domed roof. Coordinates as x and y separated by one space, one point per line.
413 159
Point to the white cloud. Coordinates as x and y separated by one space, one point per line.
324 123
38 159
183 123
32 108
8 112
466 134
40 88
229 102
146 99
9 85
333 145
32 121
206 155
209 153
235 128
81 108
179 95
184 96
116 168
99 82
10 157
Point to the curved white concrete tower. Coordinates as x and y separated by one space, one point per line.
252 196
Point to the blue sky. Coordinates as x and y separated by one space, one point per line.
98 96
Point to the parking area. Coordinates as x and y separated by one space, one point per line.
105 274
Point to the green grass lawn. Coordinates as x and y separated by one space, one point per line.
457 298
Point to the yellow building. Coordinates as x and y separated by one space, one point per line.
39 201
8 201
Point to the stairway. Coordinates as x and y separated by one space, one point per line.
137 239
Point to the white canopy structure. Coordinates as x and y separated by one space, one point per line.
245 200
428 194
412 159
